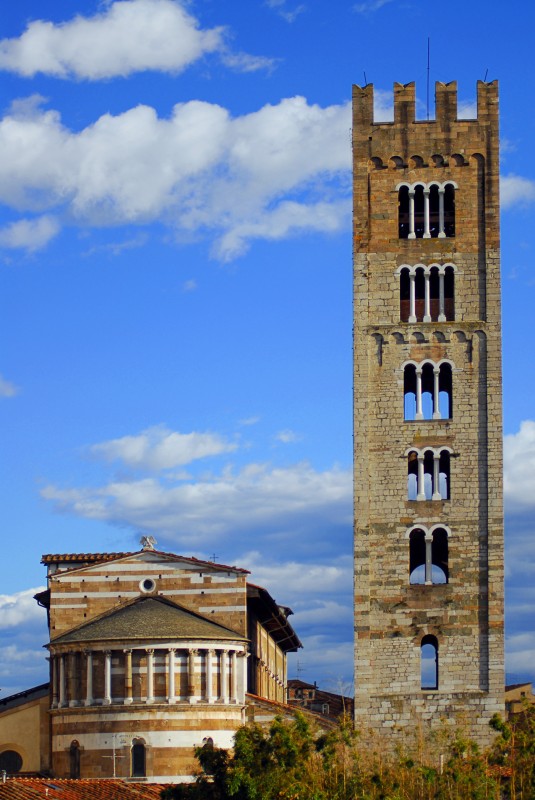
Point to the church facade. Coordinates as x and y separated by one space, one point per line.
151 655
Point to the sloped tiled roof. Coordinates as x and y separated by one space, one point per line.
147 618
94 558
56 789
24 697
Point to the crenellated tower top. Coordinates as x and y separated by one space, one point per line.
445 106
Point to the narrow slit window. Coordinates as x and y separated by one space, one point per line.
429 662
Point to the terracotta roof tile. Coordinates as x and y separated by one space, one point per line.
93 558
63 789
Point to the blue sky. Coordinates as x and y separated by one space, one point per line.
175 299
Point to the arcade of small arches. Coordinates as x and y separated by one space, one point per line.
426 293
428 473
427 390
212 675
426 210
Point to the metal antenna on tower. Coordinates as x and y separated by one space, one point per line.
486 73
428 61
365 81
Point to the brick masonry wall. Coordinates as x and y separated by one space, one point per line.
465 615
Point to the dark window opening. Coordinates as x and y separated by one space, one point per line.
10 761
429 662
138 760
403 212
434 213
419 211
449 302
404 295
449 210
74 760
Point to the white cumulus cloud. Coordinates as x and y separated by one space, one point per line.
516 191
20 608
29 234
195 171
128 36
238 507
159 448
519 466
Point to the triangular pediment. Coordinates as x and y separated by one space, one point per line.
143 557
148 618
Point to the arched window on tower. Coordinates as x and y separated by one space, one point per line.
139 766
428 474
427 391
428 557
426 211
426 293
429 662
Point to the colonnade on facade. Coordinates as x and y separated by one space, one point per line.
214 675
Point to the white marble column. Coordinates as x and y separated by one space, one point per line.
412 234
210 676
428 559
171 698
192 676
62 681
128 699
73 700
421 478
419 412
427 231
150 676
107 678
427 295
441 231
412 295
223 673
88 678
233 677
436 393
436 477
441 303
54 680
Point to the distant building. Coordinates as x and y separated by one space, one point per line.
151 654
516 697
308 696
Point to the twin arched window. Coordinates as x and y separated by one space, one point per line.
428 556
426 210
428 473
426 293
427 390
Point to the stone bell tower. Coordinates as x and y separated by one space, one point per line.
427 415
